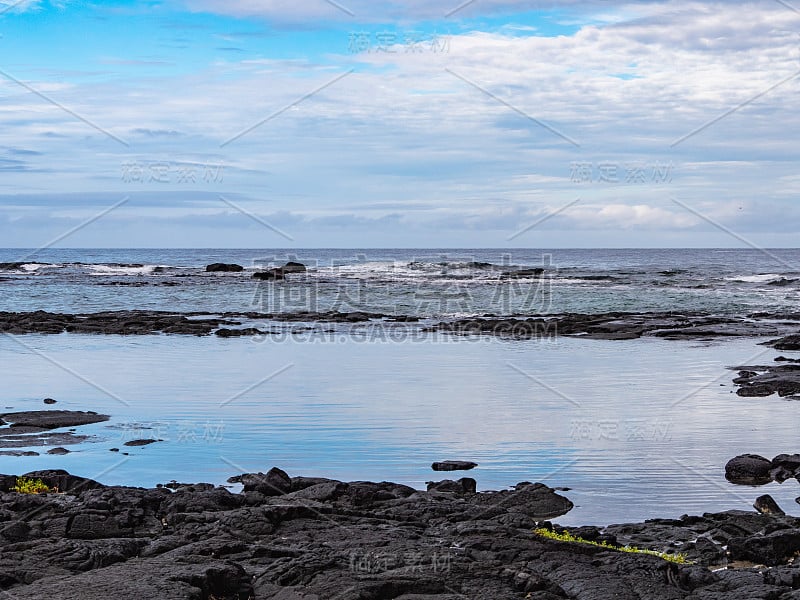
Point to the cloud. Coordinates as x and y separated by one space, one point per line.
464 138
364 11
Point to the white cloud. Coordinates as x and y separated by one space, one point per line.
403 130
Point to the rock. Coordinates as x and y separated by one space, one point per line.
465 485
766 505
771 549
789 342
18 453
143 442
274 483
224 268
57 479
52 419
245 332
49 401
748 469
279 273
276 274
58 451
294 267
11 266
790 462
453 465
780 474
330 539
782 282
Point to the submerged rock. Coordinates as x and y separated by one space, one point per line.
453 465
143 442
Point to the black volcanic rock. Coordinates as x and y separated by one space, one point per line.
224 268
789 342
748 469
52 419
142 442
453 465
759 381
276 274
331 539
766 505
465 485
294 267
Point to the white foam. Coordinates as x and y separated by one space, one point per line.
121 270
763 278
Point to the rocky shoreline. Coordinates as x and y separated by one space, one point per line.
607 326
309 538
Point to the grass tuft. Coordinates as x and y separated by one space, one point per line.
565 536
28 485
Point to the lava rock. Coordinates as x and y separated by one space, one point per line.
748 469
275 274
294 267
771 549
143 442
453 465
58 451
465 485
275 482
766 505
224 268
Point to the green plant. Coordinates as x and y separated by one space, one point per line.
28 485
566 536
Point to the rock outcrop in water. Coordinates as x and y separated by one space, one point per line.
310 538
280 273
224 268
752 469
34 427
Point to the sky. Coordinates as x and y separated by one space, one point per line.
436 123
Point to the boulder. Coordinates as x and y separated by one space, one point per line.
453 465
748 469
766 505
772 549
294 267
274 482
465 485
224 268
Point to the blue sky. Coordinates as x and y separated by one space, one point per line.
498 124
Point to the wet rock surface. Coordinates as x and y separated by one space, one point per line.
453 465
624 325
143 322
317 538
33 428
757 381
609 326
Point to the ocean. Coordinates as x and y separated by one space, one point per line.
635 428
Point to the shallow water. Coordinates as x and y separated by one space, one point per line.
637 428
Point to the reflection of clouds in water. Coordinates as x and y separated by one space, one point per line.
385 411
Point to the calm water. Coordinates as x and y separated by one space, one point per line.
636 428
